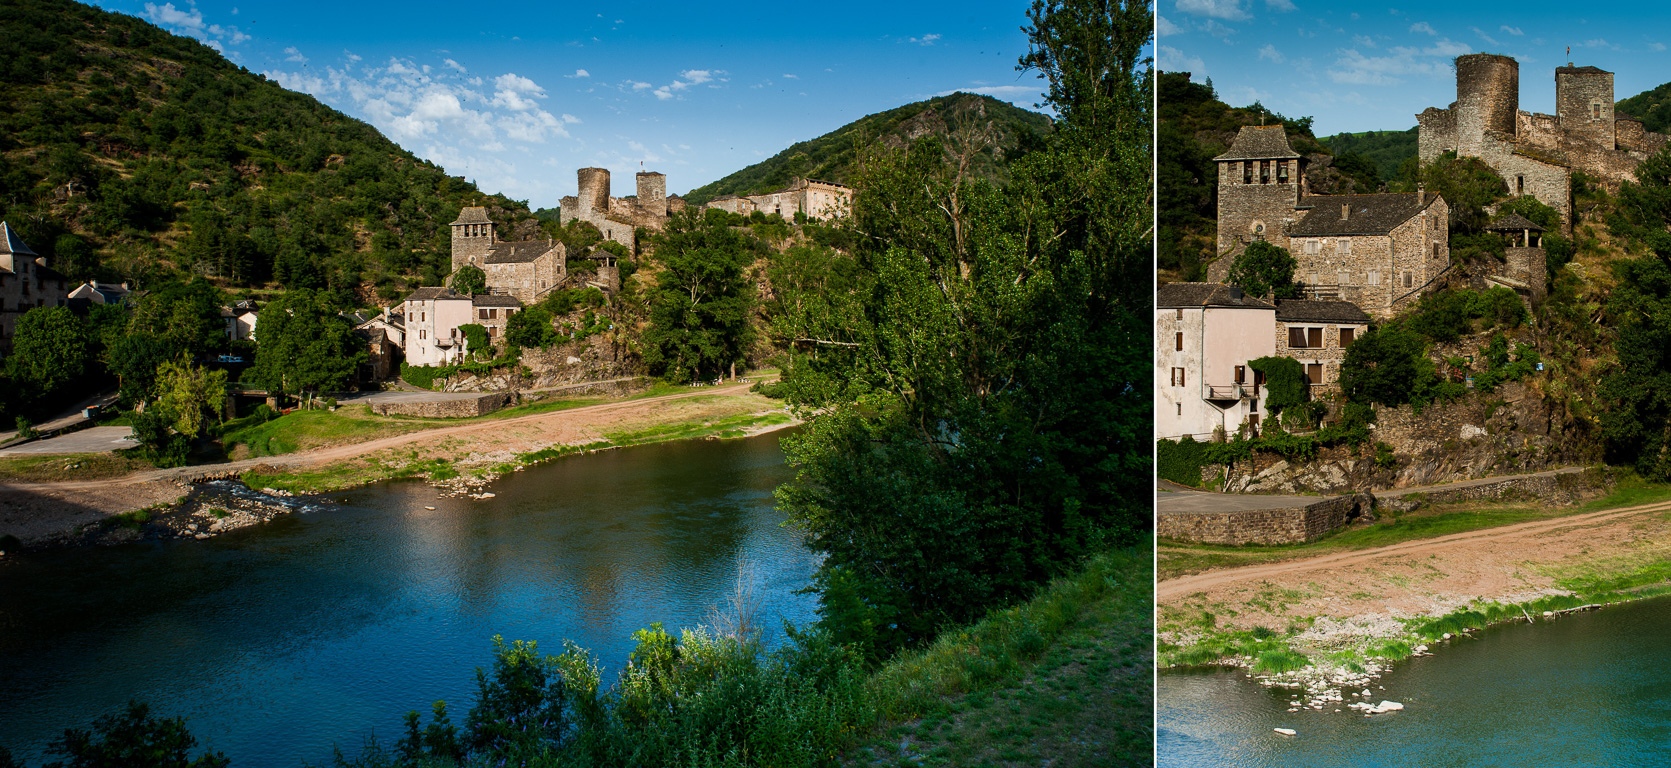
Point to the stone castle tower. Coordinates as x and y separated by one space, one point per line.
473 238
1259 180
652 191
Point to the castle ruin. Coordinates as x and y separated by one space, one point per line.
820 200
619 218
1537 153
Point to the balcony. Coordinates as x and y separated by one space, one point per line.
1229 391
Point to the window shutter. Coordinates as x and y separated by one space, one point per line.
1314 338
1346 336
1296 338
1180 341
1314 373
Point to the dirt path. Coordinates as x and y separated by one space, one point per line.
1350 596
34 510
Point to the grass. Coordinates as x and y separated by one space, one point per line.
301 430
1062 679
75 466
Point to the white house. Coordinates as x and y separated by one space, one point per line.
1205 334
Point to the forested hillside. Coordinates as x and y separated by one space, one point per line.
1389 150
130 152
1652 107
1002 131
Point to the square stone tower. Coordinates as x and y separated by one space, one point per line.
652 193
472 237
1258 188
1584 105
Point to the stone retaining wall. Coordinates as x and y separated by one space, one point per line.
1563 489
459 408
1292 525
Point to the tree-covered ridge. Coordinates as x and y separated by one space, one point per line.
1005 131
130 152
1389 150
1652 107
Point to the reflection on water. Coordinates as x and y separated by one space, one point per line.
276 642
1590 689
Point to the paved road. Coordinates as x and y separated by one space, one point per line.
90 440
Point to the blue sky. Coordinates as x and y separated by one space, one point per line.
1359 67
516 96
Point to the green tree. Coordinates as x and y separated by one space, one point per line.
192 393
974 390
185 315
1264 270
1635 395
469 280
304 346
135 359
477 340
133 738
1388 365
703 300
52 351
531 328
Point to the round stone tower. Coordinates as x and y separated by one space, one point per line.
594 190
1487 98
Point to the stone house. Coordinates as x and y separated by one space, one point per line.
1205 334
493 312
240 320
94 292
385 340
527 270
1525 265
819 200
1380 252
1317 333
432 317
1537 153
26 282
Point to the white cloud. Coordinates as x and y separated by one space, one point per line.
453 65
580 73
570 119
924 40
1164 28
1173 60
169 16
1218 30
792 77
295 55
1270 53
1229 10
1600 43
1484 36
1363 41
1511 30
663 93
638 86
1656 46
1433 61
1283 6
352 58
1424 28
697 76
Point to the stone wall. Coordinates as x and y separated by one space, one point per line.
1330 355
459 408
1292 525
1564 489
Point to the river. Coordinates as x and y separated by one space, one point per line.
1588 689
278 641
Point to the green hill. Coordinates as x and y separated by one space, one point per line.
1652 107
1387 149
130 152
1005 130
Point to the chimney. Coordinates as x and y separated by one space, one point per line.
1345 211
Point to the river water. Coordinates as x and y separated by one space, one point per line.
1588 689
277 641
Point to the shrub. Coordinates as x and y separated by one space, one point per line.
1180 461
1285 383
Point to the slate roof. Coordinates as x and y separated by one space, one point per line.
1260 142
431 293
1513 222
1581 71
494 300
1371 214
473 215
518 253
1182 295
11 243
1313 311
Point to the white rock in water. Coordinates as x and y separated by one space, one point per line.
1285 731
489 495
431 508
1366 691
1389 706
202 536
1447 636
1549 613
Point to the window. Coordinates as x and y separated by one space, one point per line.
1313 247
1177 377
1264 171
422 334
1345 247
1314 373
1314 338
1247 171
1372 277
1344 278
1180 340
1595 111
1346 336
1296 338
1520 185
1180 409
1409 279
482 314
1438 250
1253 406
1282 171
1179 314
1241 374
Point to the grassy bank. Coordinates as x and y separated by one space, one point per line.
74 466
1197 632
411 462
